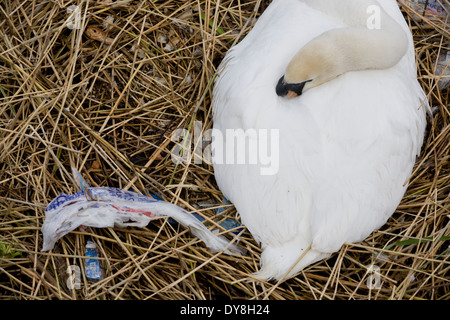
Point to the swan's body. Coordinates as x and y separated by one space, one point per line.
346 146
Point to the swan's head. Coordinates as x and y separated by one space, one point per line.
309 68
338 51
290 90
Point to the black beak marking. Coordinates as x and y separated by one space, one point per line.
283 88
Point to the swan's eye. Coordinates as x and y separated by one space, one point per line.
290 90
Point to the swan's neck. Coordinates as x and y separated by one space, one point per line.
372 40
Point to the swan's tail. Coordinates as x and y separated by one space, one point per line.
285 261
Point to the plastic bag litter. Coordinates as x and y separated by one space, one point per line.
430 9
103 207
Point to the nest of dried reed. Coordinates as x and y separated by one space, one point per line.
104 93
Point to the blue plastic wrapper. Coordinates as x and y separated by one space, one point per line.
92 267
227 223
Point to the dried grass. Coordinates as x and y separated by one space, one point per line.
107 104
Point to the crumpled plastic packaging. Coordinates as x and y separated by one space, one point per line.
103 207
430 9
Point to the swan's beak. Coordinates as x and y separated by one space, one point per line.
289 90
291 94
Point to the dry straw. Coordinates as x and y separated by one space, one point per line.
104 93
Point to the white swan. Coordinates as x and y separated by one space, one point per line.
347 144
